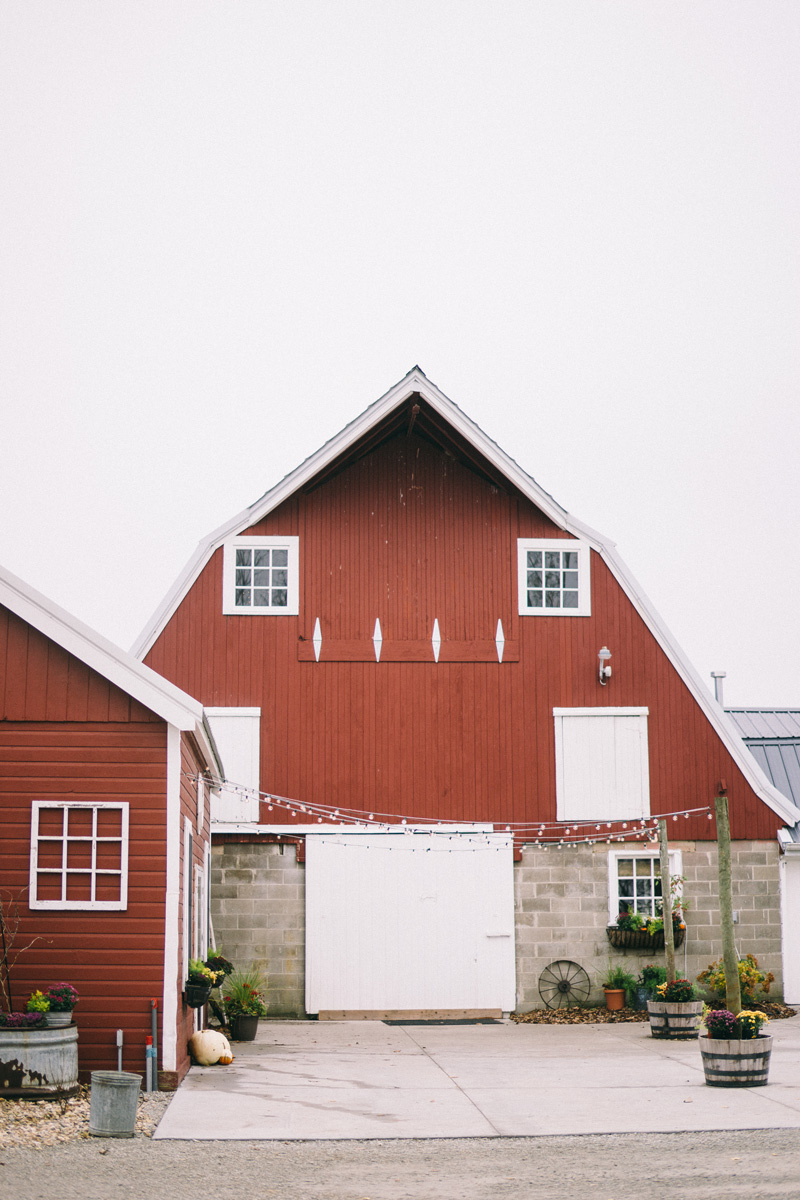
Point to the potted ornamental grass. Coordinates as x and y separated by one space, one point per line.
243 1003
674 1012
736 1052
619 987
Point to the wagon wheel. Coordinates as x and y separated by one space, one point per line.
563 983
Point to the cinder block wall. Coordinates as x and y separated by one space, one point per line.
258 914
561 898
561 901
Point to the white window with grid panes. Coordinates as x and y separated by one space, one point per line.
634 881
79 855
261 576
553 577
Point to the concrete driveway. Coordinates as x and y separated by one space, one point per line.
363 1079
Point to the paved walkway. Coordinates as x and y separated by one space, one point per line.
363 1079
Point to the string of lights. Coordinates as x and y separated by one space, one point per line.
537 833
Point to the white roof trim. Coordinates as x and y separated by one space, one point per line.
116 665
416 381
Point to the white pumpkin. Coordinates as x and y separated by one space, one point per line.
208 1047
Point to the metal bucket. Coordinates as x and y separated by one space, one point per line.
675 1020
736 1063
114 1100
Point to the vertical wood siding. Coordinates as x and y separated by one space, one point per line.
40 681
408 534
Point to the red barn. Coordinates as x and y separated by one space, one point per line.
105 816
408 631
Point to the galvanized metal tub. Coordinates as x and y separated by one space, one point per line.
114 1102
738 1062
38 1063
676 1020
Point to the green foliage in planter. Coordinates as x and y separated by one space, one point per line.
62 997
651 977
722 1024
675 991
242 996
617 978
200 975
751 979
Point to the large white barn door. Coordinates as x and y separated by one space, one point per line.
409 921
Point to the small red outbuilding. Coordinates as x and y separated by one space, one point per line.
104 831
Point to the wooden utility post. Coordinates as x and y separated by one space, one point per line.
733 992
666 900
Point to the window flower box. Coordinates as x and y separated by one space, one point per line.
640 939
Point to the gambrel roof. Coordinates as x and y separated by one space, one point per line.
117 666
417 403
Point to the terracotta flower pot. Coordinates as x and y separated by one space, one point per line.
615 998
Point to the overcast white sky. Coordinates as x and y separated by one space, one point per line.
226 228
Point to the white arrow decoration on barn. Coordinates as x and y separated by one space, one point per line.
436 639
316 640
500 641
377 639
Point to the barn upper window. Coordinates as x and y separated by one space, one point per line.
79 855
261 576
553 577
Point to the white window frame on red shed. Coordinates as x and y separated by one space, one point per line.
229 567
93 840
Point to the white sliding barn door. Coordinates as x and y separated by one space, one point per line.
409 922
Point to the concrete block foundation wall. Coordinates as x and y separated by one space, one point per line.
258 914
561 899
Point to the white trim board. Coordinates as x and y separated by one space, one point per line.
416 382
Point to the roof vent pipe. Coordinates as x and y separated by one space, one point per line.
718 677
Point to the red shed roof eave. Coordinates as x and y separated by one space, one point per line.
417 382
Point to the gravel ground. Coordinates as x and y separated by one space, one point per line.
753 1165
35 1123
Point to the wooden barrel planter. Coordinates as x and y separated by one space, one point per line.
737 1063
38 1063
638 939
676 1020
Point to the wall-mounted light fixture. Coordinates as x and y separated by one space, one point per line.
603 668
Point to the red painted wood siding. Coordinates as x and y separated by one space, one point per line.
409 534
190 765
39 681
114 959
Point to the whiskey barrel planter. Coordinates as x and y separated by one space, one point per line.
737 1063
638 939
676 1020
38 1063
